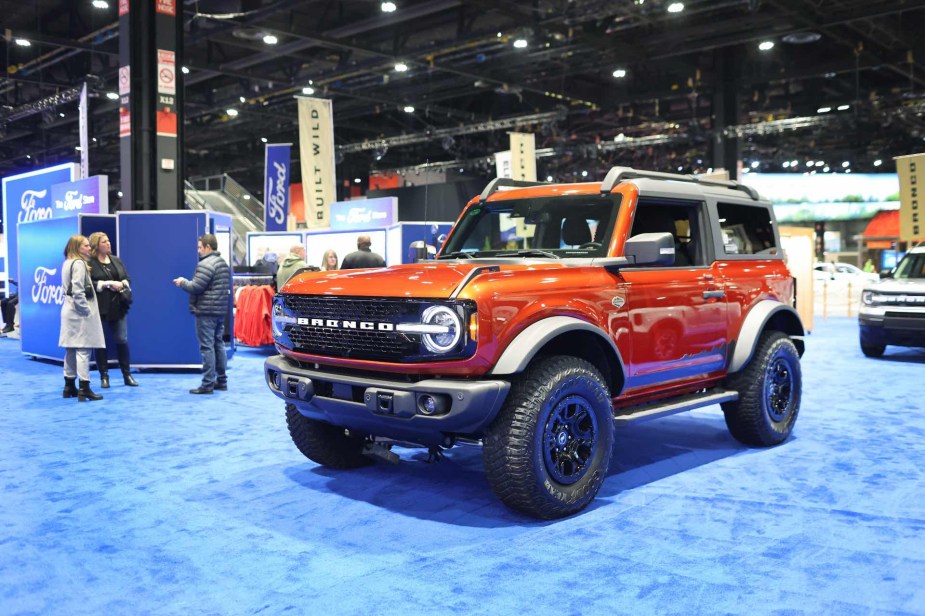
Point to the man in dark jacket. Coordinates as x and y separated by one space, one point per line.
210 292
363 257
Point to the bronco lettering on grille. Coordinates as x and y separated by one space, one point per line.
345 324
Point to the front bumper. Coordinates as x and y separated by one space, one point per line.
906 329
385 407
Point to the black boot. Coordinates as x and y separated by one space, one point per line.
70 387
85 393
102 364
125 365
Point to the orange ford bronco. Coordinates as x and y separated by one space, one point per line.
552 314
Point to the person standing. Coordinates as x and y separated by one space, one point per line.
363 256
111 280
293 262
329 260
81 329
210 292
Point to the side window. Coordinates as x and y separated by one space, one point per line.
746 229
680 218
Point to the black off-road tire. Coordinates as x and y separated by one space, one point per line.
873 350
325 444
770 388
547 452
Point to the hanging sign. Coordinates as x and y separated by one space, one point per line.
276 170
911 172
316 154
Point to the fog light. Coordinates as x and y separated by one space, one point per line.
433 404
277 379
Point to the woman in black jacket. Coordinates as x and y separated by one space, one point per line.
111 279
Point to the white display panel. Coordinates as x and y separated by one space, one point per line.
343 243
260 244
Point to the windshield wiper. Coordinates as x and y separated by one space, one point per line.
459 254
531 252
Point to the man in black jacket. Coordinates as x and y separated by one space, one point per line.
363 256
210 291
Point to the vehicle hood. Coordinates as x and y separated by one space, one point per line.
892 285
432 279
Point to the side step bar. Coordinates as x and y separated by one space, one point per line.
657 410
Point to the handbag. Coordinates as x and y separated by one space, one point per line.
126 296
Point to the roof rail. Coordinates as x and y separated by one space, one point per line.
498 183
619 174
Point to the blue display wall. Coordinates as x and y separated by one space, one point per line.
41 253
157 247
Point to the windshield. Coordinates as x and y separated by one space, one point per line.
911 266
554 227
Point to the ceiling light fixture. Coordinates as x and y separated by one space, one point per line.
878 162
184 70
242 99
401 67
620 73
263 140
388 7
308 90
520 43
846 164
824 110
408 109
22 42
270 39
766 45
843 107
232 113
100 4
112 96
675 7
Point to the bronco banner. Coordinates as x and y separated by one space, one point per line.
276 170
27 197
911 172
316 154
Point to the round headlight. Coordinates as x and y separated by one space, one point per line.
449 324
280 319
867 297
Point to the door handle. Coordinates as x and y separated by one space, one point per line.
714 294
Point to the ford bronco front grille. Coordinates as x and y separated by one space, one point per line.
354 328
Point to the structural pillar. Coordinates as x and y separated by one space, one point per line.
726 150
150 107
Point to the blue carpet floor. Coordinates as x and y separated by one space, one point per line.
153 501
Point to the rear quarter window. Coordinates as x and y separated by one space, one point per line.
746 229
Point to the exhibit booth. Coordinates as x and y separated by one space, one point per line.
156 247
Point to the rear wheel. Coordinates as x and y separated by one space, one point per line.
325 444
769 387
547 452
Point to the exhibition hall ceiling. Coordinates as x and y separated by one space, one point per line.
442 81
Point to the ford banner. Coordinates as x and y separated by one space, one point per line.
87 196
276 186
27 197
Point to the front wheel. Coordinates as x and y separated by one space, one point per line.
547 452
324 443
769 389
873 350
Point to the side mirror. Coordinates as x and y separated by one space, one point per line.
650 249
419 250
886 273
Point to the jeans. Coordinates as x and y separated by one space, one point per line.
209 331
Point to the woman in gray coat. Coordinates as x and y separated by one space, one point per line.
81 328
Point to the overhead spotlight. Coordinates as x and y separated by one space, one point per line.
401 67
408 109
263 140
794 163
843 107
232 113
675 7
247 197
184 70
786 164
61 114
242 99
878 162
766 45
826 169
100 4
820 163
810 163
308 90
380 152
357 181
755 164
119 194
549 178
270 39
113 96
584 173
824 110
620 73
388 7
22 42
520 43
846 164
